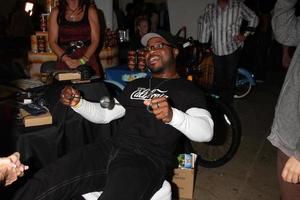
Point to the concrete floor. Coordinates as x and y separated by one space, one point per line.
251 174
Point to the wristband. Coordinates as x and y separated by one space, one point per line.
85 58
82 61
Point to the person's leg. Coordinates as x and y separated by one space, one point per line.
132 176
77 173
218 81
231 61
288 191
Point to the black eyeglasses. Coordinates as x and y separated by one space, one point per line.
157 47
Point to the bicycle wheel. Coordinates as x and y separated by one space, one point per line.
242 86
226 139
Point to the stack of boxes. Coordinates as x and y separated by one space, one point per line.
109 54
39 41
40 49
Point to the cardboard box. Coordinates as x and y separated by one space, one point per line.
184 180
30 120
66 76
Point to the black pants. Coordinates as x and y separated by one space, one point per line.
225 72
122 174
261 55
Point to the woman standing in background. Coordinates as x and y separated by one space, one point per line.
141 27
75 23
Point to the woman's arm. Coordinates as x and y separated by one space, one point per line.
53 41
285 24
95 31
286 58
53 34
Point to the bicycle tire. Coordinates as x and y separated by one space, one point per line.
242 87
222 115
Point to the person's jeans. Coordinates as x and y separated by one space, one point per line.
121 173
225 74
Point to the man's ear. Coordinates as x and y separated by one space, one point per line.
175 52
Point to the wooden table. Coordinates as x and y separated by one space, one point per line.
35 61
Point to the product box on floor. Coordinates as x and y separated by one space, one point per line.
184 181
184 176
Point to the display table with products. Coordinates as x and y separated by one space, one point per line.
35 61
41 52
109 57
41 145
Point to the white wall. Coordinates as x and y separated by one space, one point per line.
186 13
107 8
123 3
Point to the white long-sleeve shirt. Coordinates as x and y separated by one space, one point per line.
195 123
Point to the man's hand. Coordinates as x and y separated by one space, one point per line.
11 168
161 109
291 171
239 38
70 96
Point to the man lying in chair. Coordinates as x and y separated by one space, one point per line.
132 165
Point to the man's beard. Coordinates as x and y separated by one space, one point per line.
157 70
160 69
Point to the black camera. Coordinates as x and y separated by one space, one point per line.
86 71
